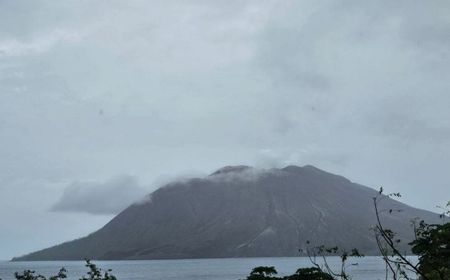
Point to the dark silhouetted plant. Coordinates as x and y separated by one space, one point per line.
30 275
431 244
96 273
322 252
269 272
310 273
263 273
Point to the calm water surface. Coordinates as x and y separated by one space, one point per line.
368 268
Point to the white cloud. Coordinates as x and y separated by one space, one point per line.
39 44
106 198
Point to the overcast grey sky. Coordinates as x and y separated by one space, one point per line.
113 98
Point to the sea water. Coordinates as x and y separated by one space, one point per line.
367 268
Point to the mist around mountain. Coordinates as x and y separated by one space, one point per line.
240 211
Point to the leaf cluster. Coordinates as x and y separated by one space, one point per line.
432 245
269 272
31 275
94 273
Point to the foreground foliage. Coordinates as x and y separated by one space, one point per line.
432 245
268 273
94 273
30 275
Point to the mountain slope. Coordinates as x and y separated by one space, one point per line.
242 212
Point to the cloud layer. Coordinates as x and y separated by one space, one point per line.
108 198
158 88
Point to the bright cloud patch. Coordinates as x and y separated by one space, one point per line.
106 198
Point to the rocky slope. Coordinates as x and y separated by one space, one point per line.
241 212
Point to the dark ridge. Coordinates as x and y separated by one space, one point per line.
293 169
230 169
303 169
